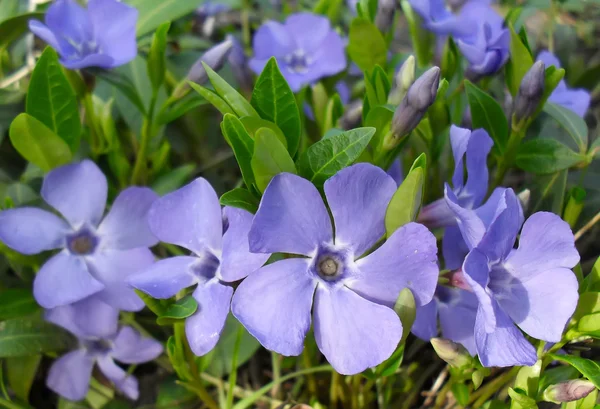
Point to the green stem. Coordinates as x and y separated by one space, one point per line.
202 393
90 116
333 396
310 380
247 402
276 366
484 393
506 161
246 35
140 167
234 361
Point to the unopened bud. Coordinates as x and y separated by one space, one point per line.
530 92
568 391
453 353
214 57
352 116
404 79
524 197
385 15
413 107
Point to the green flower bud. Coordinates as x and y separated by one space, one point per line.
404 79
453 353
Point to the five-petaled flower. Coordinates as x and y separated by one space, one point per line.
191 217
531 286
101 36
96 255
101 342
354 326
305 46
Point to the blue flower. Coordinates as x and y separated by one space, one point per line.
95 255
191 217
577 100
354 326
305 46
101 36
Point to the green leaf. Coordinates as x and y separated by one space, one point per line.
156 57
212 97
528 379
592 280
488 114
570 122
588 368
16 303
274 100
461 393
20 372
173 180
180 108
380 118
153 13
366 47
380 86
124 85
552 77
254 123
270 158
406 309
242 145
52 101
406 202
326 157
240 198
333 112
234 99
543 156
520 400
519 63
23 337
37 143
13 28
179 310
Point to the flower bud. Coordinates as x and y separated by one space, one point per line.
404 79
214 57
568 391
454 354
352 116
530 92
385 15
413 107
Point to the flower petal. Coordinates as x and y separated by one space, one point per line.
189 217
330 58
272 39
130 347
112 268
457 318
291 218
476 270
68 20
64 279
114 25
408 259
437 214
88 318
505 346
353 333
126 224
166 277
91 60
123 381
471 226
204 328
454 248
274 305
358 197
29 230
308 30
42 31
237 261
426 321
70 375
78 191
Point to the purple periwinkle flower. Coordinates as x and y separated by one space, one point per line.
212 8
101 36
95 255
305 46
191 217
531 286
486 46
437 18
354 326
101 343
577 100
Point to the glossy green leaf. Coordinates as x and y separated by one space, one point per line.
254 123
366 45
588 368
544 156
124 85
153 13
37 143
519 63
528 379
212 97
17 302
333 112
242 145
406 309
570 122
240 198
20 372
461 393
406 202
270 158
180 108
326 157
488 114
14 27
23 337
179 310
52 101
520 400
274 100
592 280
156 57
234 99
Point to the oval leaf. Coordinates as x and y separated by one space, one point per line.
240 198
22 337
270 158
17 302
242 145
488 114
543 156
234 99
366 47
570 122
179 310
588 368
